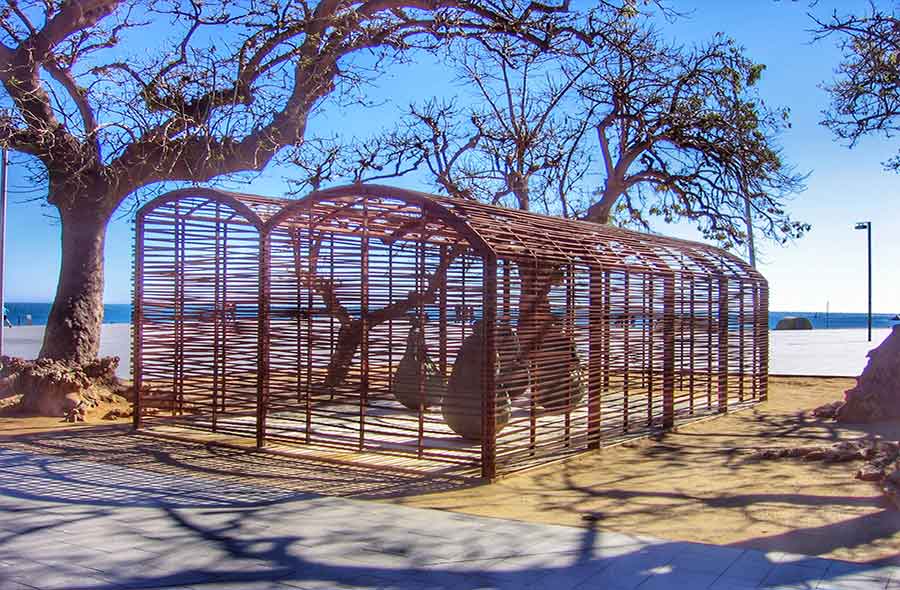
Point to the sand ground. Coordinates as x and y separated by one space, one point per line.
696 484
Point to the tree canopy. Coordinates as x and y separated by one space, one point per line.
112 97
634 128
682 133
865 94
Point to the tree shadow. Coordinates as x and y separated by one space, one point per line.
116 524
119 445
126 528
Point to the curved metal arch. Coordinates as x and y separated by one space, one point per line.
424 200
230 199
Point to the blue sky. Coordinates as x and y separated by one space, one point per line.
828 265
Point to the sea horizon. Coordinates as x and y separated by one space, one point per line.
23 313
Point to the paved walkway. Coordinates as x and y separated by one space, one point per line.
81 525
836 353
840 353
115 340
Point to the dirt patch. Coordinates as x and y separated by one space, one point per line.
98 405
702 484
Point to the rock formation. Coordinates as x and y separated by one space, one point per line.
794 323
876 396
882 460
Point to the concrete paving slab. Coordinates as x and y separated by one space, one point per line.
863 570
125 528
849 583
115 340
751 568
826 353
787 574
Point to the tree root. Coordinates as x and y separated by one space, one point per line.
54 388
882 460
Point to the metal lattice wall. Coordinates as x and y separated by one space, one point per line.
368 318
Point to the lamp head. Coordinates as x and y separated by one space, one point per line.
862 225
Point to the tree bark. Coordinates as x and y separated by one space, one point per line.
73 327
601 211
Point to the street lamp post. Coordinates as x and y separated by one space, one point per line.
867 225
4 164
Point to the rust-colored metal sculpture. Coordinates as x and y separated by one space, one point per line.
534 337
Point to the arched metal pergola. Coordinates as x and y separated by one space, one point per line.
371 318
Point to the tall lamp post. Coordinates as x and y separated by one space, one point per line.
867 225
4 164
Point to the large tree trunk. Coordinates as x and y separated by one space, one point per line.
73 328
601 211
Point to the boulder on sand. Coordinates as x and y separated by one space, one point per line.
794 323
876 396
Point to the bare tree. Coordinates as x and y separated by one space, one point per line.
515 143
107 113
865 95
682 133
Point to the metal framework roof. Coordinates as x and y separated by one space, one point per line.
503 232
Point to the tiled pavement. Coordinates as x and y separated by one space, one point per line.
79 525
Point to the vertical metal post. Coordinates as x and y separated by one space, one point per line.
442 318
756 337
741 336
596 319
137 322
420 320
570 338
4 165
364 319
607 329
229 311
178 283
626 339
262 347
311 274
710 326
867 225
218 313
692 318
723 345
489 371
764 344
332 341
506 307
869 232
390 322
651 314
668 352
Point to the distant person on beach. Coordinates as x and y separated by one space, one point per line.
6 322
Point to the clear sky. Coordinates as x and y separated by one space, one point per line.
845 186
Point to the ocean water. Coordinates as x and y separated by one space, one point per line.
120 313
821 320
19 312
